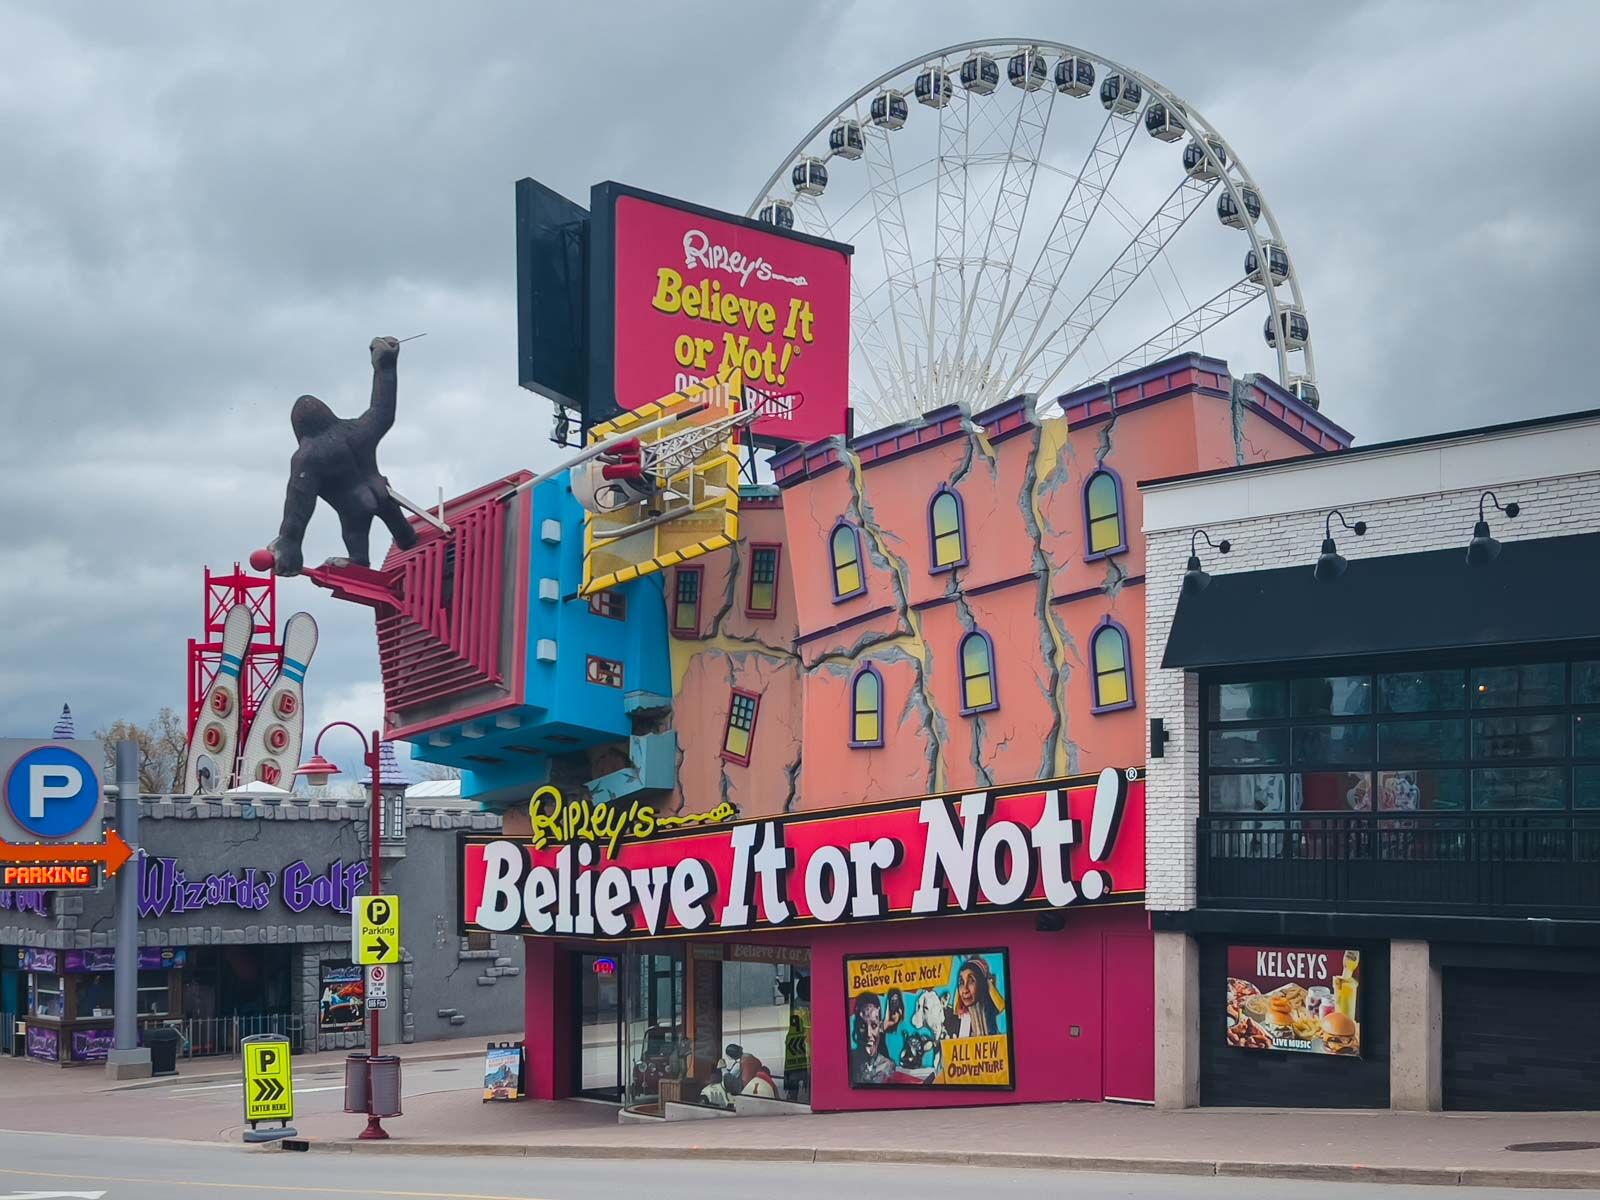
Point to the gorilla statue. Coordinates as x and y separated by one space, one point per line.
338 460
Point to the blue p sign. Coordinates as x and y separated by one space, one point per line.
53 792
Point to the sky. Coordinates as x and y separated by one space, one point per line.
207 209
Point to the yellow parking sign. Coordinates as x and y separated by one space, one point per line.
375 930
268 1079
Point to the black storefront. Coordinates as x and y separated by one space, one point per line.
1405 758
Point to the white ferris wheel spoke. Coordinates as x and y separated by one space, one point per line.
906 316
1064 341
1181 332
1036 299
997 263
949 282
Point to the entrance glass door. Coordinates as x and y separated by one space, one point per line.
599 1060
657 1049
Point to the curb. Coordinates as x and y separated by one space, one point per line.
1322 1172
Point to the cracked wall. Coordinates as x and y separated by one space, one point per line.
1028 582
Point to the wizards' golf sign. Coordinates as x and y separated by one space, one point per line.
268 1079
375 930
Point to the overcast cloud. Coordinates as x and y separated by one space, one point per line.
207 209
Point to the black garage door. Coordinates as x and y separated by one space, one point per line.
1520 1040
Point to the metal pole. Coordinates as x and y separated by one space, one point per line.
375 1127
127 1060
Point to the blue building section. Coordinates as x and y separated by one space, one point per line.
591 664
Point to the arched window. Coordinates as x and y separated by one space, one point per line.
845 547
946 530
866 707
978 692
1113 680
1102 514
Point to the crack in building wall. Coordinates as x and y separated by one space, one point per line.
877 543
1060 753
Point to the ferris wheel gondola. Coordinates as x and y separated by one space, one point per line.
993 256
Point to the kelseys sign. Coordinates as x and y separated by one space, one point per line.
1039 845
679 293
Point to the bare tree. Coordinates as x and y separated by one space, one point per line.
162 746
427 771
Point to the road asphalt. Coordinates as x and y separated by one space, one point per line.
84 1167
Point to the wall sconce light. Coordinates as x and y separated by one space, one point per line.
1483 549
1330 563
1194 579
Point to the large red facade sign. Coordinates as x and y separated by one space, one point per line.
681 293
1042 845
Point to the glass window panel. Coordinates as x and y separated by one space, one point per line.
1105 533
1332 791
1333 743
1586 787
867 727
946 549
1249 701
846 561
1422 691
1249 747
1523 686
1586 682
1332 696
1519 737
1586 735
1246 793
1422 741
1519 787
761 597
1112 688
1406 791
1110 653
979 692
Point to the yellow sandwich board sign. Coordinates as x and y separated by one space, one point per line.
268 1082
375 930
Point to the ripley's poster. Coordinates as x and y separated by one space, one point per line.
342 1006
1294 999
696 294
930 1020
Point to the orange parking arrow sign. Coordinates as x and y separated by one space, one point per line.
111 855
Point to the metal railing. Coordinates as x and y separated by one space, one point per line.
1465 864
206 1037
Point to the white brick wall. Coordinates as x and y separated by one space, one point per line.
1274 517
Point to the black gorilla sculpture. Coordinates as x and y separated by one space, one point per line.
338 461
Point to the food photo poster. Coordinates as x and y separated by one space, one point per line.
930 1020
1295 999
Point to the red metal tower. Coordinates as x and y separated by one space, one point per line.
260 594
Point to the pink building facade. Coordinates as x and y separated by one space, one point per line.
949 608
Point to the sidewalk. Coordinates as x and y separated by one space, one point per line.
1452 1150
200 1070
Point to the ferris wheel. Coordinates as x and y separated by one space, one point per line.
1012 236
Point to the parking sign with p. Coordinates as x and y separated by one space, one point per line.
52 791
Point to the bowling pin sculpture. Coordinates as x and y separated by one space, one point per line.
215 740
272 748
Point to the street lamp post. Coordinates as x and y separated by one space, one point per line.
317 772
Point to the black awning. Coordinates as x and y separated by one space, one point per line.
1546 590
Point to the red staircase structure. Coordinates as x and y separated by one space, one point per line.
260 594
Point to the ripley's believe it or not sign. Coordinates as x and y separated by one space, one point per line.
683 293
1039 845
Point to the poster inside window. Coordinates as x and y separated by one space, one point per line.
342 1006
930 1020
1295 999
